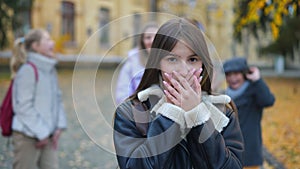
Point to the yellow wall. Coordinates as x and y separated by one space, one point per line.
217 18
217 22
48 12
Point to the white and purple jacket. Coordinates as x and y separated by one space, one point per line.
129 77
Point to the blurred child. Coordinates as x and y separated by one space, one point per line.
251 95
133 69
39 115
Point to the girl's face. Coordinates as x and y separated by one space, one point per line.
181 59
148 37
235 79
45 46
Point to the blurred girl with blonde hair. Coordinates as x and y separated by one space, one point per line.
39 115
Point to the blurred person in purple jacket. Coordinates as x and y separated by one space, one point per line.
133 69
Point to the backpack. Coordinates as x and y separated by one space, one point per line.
6 109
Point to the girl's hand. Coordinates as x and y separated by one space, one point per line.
42 143
190 77
55 138
181 93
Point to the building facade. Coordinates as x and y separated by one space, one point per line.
80 25
108 27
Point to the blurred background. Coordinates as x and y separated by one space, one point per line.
266 32
261 30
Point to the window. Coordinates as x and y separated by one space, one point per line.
22 18
137 22
68 15
24 21
104 27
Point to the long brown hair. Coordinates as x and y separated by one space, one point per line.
145 28
141 45
165 40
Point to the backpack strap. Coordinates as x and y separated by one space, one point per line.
35 70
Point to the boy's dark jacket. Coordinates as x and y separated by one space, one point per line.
162 147
250 106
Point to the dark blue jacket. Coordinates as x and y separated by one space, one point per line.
159 144
250 108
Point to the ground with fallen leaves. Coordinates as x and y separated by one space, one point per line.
281 123
81 148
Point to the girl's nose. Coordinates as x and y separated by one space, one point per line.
184 69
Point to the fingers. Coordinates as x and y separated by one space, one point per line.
172 98
253 68
174 84
55 139
254 74
197 75
54 144
197 86
181 90
180 82
174 91
41 144
183 83
189 76
185 98
171 90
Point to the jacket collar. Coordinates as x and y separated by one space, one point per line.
42 62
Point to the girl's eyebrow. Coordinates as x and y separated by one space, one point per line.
193 55
173 54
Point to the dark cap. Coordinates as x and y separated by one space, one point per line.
235 65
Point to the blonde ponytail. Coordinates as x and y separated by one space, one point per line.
18 57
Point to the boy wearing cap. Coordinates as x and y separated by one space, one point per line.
251 95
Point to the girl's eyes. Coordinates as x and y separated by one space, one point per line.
172 59
147 37
194 59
